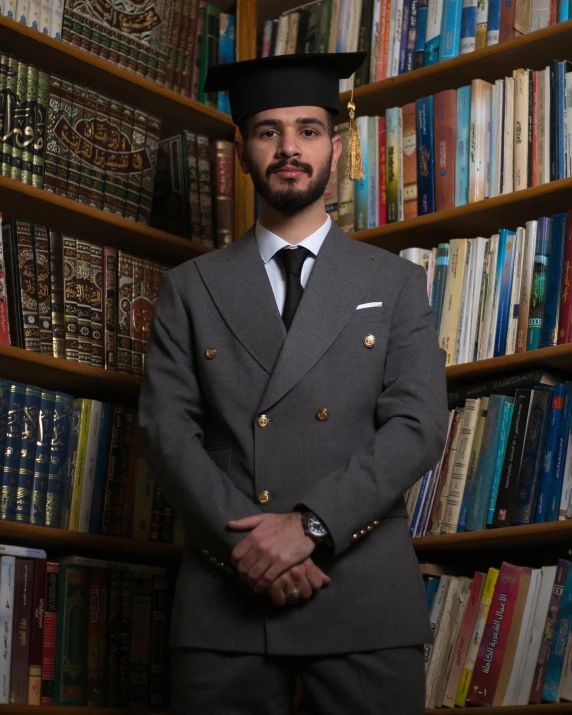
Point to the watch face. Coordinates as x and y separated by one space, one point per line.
316 527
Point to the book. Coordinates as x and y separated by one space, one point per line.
445 146
97 636
548 452
45 431
7 581
23 593
452 294
409 163
50 633
58 464
37 634
425 155
554 273
550 691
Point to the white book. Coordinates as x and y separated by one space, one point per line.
566 496
484 298
435 615
118 565
488 140
438 511
520 135
35 14
487 328
57 17
281 35
7 573
568 122
461 348
524 637
497 148
23 551
494 309
508 146
46 19
461 466
10 8
533 646
395 36
430 274
467 43
375 28
478 140
515 291
539 14
412 254
355 21
411 501
90 463
479 249
23 12
529 252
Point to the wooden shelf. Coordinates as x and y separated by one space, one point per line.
176 112
544 709
557 532
533 51
67 376
70 710
482 218
22 201
557 359
44 537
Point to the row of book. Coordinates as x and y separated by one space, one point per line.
402 35
81 631
76 464
507 460
502 637
500 295
193 196
170 42
45 16
461 146
73 299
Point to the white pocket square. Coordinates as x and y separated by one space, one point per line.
369 305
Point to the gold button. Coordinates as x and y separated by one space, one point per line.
210 353
205 552
369 341
263 421
322 414
355 537
363 532
264 497
369 528
376 523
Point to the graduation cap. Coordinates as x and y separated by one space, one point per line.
290 81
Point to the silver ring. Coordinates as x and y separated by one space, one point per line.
294 595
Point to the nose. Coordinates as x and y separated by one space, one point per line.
288 147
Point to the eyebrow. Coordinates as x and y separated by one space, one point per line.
277 122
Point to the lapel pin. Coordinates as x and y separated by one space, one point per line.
373 258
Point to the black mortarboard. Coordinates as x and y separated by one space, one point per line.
283 81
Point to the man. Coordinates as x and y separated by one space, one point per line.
294 390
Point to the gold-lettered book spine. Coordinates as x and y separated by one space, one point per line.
78 474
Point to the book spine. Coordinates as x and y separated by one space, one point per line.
56 254
11 467
560 456
463 144
477 138
86 137
565 317
110 307
520 154
137 317
392 124
125 307
554 283
10 104
62 420
78 478
97 636
90 465
28 287
114 636
19 506
382 162
19 122
554 669
136 165
205 197
43 289
409 154
118 480
63 132
538 286
159 685
124 637
28 110
505 270
222 159
70 297
112 201
100 141
23 594
411 35
83 298
7 580
450 29
506 419
96 303
52 114
152 134
71 462
5 307
493 22
101 470
75 138
468 27
140 648
445 147
419 55
37 634
50 631
548 452
425 156
42 462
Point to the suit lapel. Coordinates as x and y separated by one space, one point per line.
340 276
238 284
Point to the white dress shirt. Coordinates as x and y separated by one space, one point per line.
269 243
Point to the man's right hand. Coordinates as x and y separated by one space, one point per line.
306 577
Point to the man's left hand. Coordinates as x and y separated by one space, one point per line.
276 543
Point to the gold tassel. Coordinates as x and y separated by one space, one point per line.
354 169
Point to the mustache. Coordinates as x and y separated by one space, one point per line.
279 165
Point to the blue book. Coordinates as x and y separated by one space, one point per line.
404 34
554 277
361 186
63 409
426 508
532 455
433 32
493 22
557 138
451 29
462 152
505 269
100 469
562 629
419 56
547 462
425 156
411 36
19 507
431 586
468 27
226 54
418 504
538 293
439 277
506 420
4 405
560 452
563 10
482 481
11 467
43 448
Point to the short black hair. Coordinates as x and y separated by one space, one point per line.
330 124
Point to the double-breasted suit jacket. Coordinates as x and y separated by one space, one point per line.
342 413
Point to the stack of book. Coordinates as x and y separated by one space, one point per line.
82 631
417 159
193 196
501 637
507 460
402 35
170 42
501 295
72 299
76 464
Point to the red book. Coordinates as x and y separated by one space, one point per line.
445 148
4 329
382 142
493 644
23 593
37 634
382 69
565 320
508 8
50 631
534 157
97 638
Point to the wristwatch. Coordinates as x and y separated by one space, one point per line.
314 528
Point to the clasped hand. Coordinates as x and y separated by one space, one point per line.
274 557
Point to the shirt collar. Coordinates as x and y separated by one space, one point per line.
269 243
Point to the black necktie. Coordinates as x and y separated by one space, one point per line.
292 260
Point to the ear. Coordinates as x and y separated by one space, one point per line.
337 151
240 148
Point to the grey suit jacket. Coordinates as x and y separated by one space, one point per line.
213 457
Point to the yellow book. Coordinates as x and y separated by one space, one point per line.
476 637
143 501
452 297
79 468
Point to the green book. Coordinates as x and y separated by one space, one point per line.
18 131
28 114
42 462
39 130
70 682
9 114
324 26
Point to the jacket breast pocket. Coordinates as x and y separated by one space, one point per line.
221 456
367 315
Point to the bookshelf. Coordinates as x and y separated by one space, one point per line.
544 709
52 710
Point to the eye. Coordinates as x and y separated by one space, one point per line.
309 132
269 133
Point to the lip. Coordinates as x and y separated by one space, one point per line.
290 172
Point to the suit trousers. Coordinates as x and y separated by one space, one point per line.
381 682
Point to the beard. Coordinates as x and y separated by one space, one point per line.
290 200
